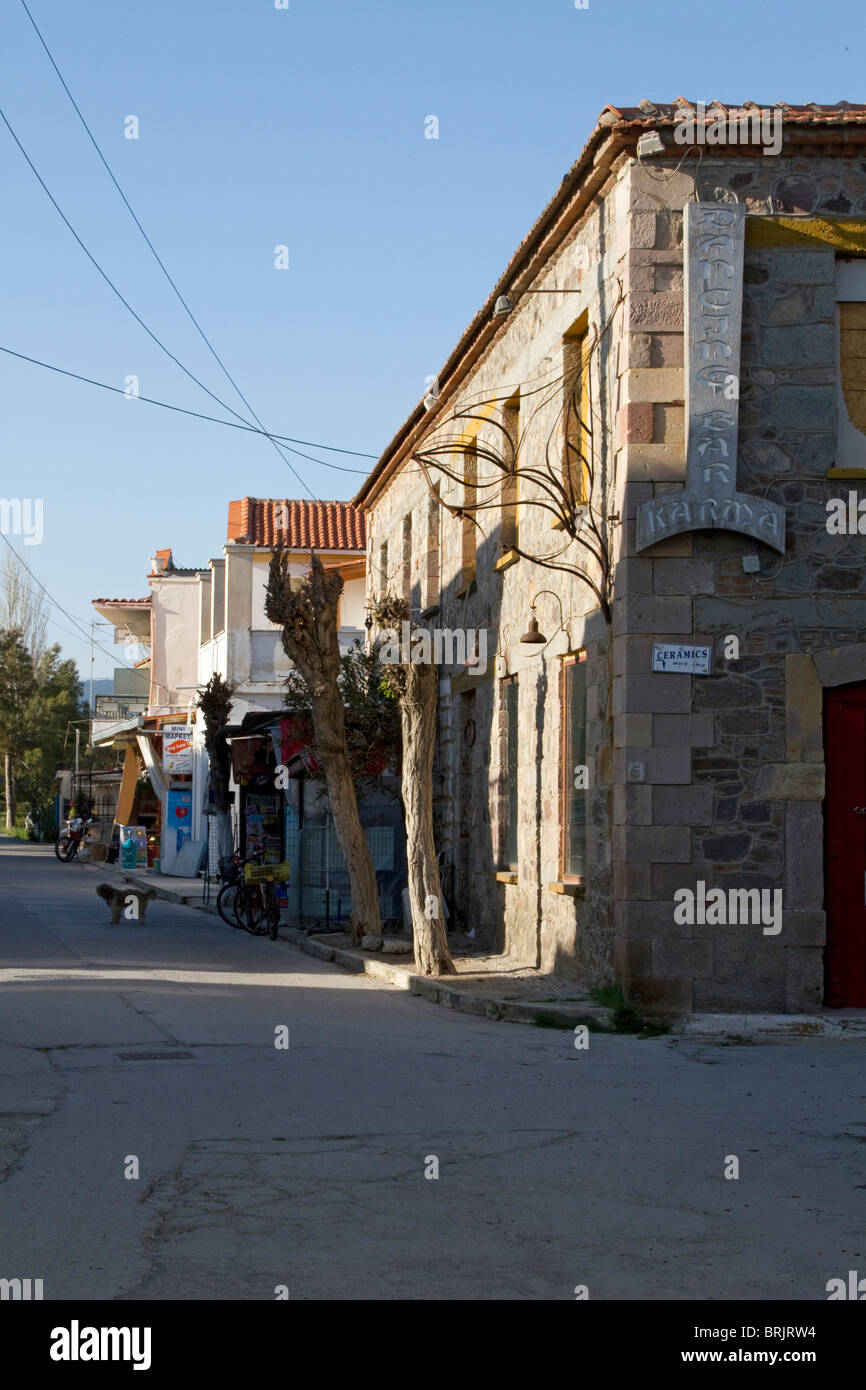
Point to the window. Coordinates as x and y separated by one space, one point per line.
575 410
511 421
573 771
470 497
218 597
407 559
383 568
851 388
510 693
852 331
433 517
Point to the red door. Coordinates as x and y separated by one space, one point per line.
845 744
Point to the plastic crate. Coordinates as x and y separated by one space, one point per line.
261 873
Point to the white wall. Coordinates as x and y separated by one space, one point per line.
352 603
174 662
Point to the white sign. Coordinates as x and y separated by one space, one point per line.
176 748
692 661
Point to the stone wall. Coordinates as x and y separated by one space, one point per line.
716 780
734 762
532 914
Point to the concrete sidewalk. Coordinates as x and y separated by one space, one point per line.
504 990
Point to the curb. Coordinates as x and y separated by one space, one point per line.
707 1027
766 1027
462 1000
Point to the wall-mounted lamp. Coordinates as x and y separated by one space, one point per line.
532 636
504 305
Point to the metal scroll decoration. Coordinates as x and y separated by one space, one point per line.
714 238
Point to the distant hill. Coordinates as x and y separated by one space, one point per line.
103 686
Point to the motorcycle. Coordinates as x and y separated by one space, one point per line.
70 840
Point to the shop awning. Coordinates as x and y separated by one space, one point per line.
126 796
105 737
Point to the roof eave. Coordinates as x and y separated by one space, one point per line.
612 136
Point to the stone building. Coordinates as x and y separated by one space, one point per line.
649 442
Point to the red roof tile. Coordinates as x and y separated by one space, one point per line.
298 525
127 602
663 112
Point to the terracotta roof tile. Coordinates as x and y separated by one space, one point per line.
127 602
810 114
299 525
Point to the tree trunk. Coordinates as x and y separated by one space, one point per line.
418 715
9 779
215 705
308 618
329 729
225 838
220 772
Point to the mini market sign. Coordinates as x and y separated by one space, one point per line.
689 661
176 749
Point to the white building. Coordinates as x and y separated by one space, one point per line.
197 622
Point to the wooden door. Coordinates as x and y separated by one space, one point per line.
845 746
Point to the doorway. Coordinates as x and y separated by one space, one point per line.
845 823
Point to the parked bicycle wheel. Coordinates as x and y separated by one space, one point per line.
273 915
65 849
226 903
250 908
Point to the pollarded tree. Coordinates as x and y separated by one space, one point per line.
415 684
306 611
215 703
372 717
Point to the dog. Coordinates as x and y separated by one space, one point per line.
117 899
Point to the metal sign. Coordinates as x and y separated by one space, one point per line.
176 748
714 240
684 660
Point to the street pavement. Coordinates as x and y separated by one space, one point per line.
302 1169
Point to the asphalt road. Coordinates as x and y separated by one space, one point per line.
304 1167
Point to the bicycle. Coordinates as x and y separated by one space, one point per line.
247 898
231 872
259 899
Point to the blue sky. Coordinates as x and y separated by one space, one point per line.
303 127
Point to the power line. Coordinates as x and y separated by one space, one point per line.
84 631
70 632
137 317
197 414
224 369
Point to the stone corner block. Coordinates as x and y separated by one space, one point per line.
790 782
